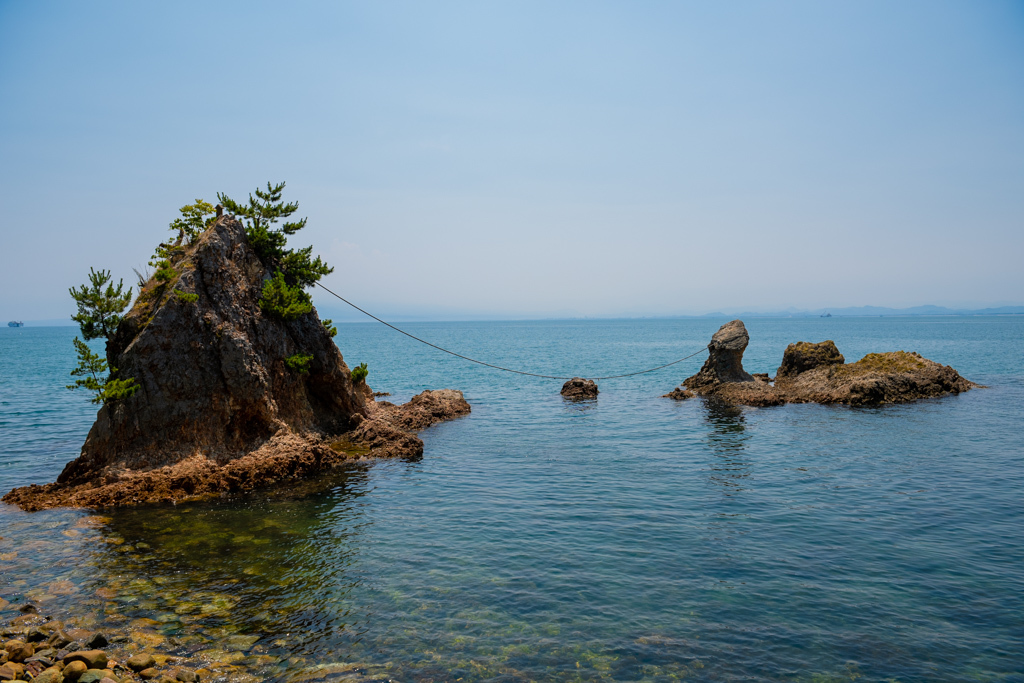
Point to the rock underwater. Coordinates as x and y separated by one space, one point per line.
218 408
818 373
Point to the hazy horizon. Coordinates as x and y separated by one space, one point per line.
529 160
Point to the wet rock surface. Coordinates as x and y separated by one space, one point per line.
578 388
218 410
818 373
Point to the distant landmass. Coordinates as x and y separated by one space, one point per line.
342 315
875 311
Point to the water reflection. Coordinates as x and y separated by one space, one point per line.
727 441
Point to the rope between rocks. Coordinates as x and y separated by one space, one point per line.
491 365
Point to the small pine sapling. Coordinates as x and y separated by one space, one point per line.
100 304
91 370
329 326
359 373
299 362
193 221
283 300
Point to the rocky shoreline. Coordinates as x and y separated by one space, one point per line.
45 650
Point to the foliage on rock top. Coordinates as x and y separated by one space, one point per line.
193 221
294 269
892 361
271 244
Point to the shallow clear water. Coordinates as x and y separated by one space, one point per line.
634 538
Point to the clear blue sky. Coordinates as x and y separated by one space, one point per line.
531 159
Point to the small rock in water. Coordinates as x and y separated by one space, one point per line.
18 651
97 640
92 676
186 675
94 659
149 674
28 608
11 671
141 661
37 634
679 394
50 675
578 388
74 670
58 639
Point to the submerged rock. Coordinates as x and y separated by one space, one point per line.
578 389
818 372
218 408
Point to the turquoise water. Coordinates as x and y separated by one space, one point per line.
630 539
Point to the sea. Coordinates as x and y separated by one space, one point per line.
631 538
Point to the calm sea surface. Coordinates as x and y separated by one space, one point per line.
630 539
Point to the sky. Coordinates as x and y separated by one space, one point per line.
461 160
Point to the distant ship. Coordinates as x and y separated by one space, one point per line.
826 315
15 323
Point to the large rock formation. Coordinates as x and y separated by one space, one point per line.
819 373
218 407
725 358
893 377
723 375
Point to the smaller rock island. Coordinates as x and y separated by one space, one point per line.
817 373
579 389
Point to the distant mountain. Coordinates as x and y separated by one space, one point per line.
876 311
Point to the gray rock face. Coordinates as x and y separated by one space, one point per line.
578 388
725 358
212 375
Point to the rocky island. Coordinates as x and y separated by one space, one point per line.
818 373
227 396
